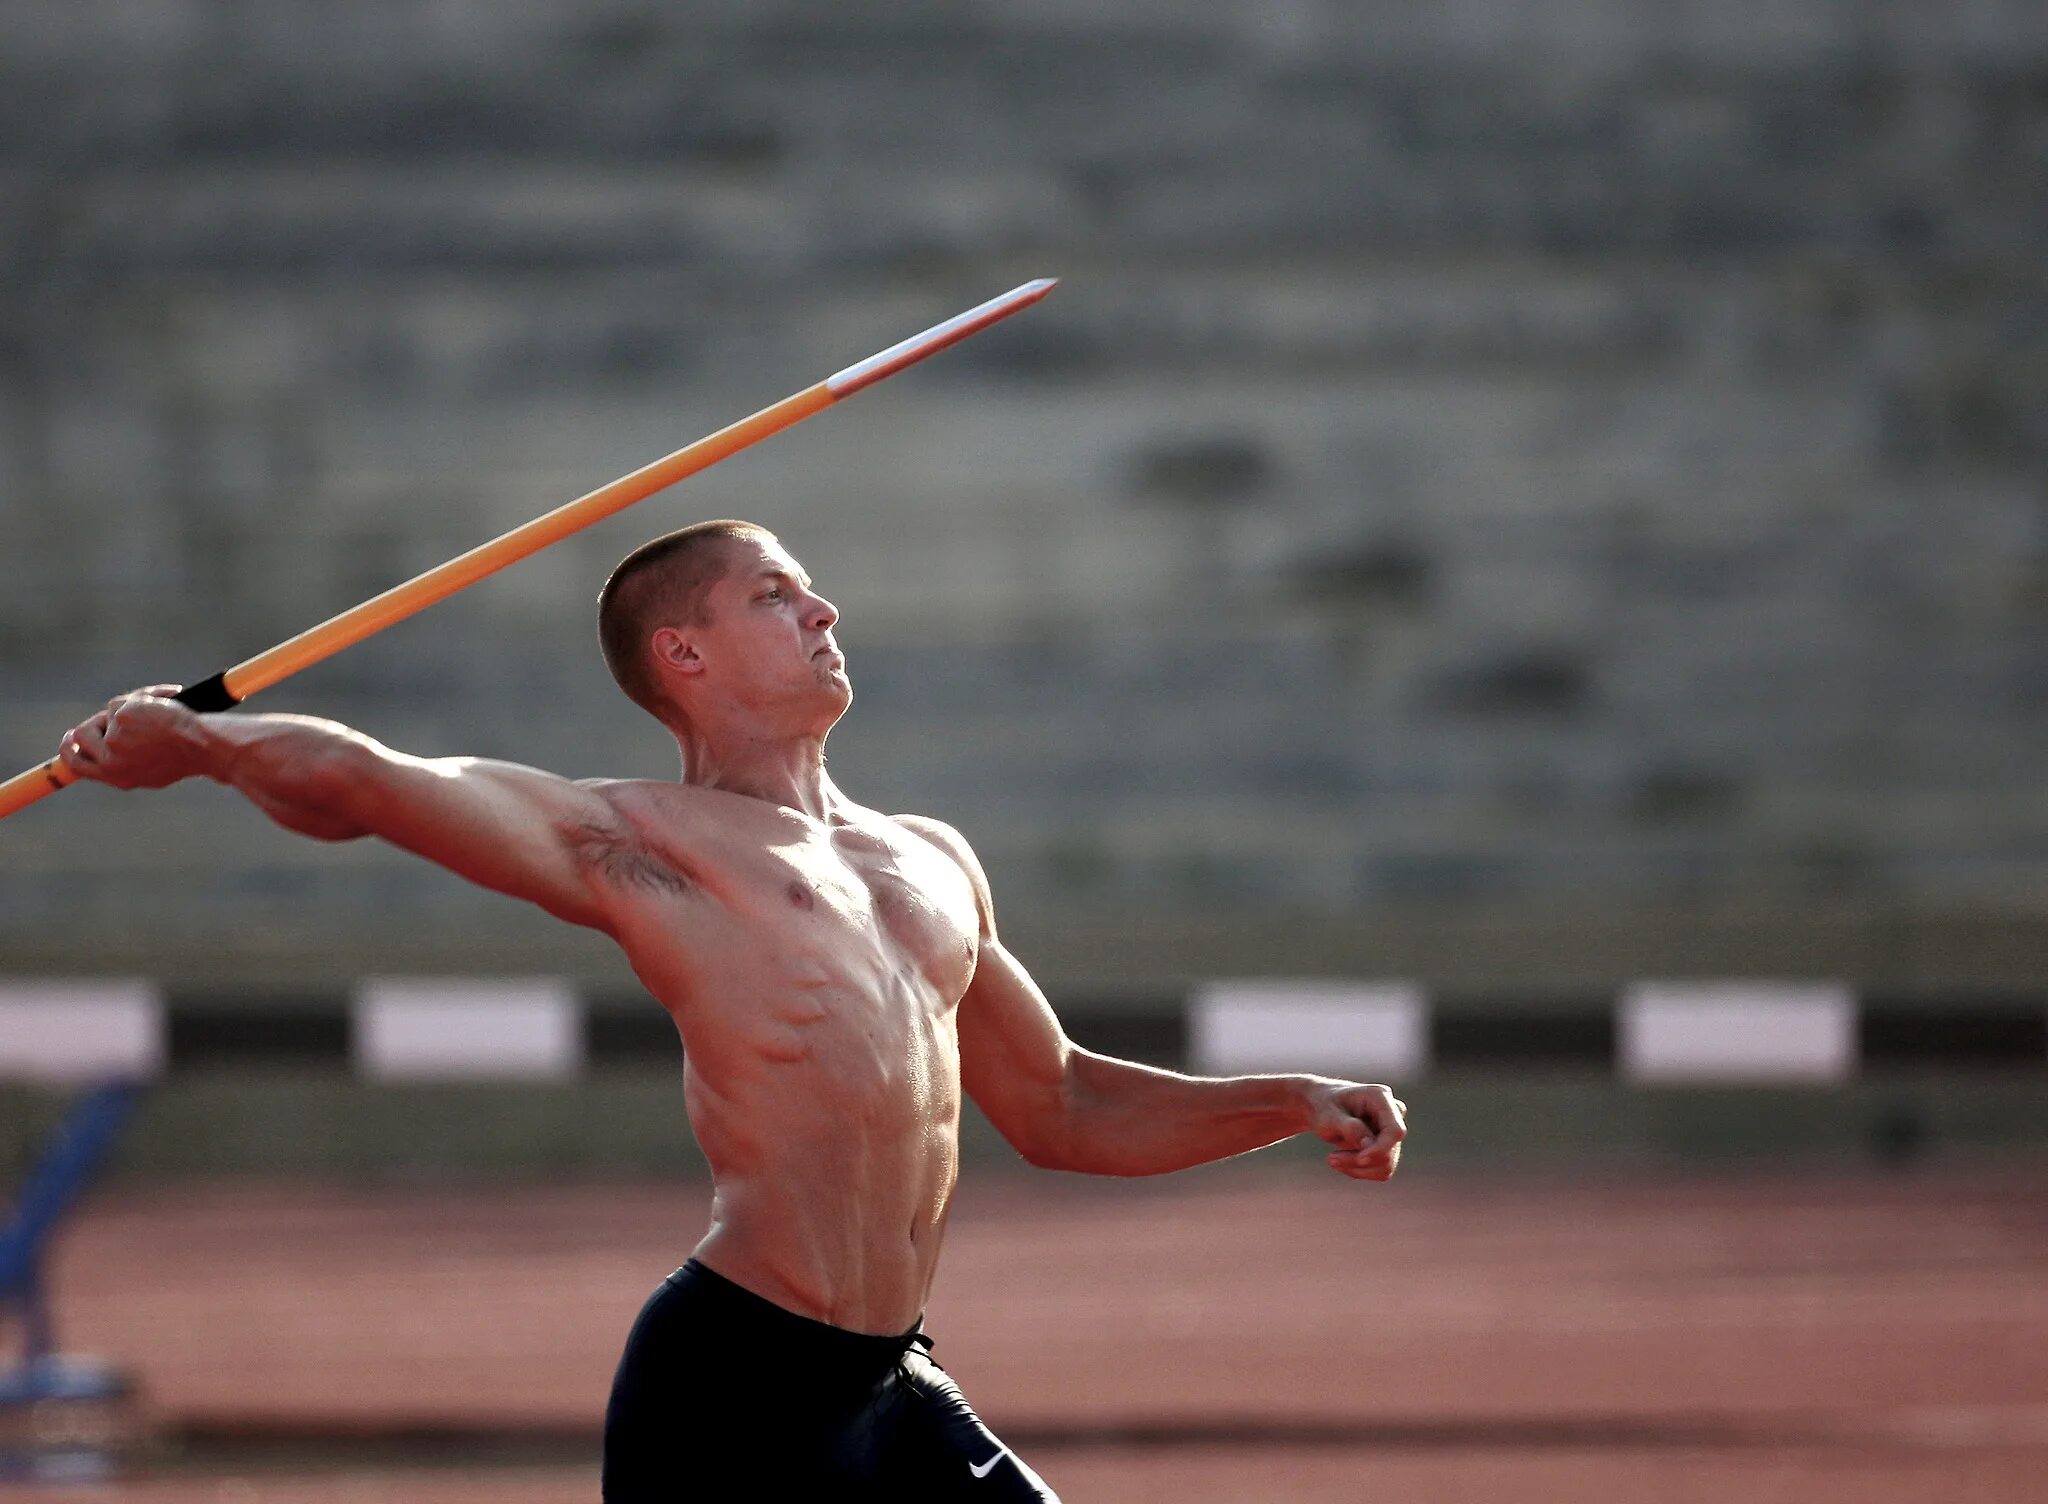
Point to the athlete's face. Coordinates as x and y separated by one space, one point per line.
767 644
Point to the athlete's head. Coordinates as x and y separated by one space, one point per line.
717 620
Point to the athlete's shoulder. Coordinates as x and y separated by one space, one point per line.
938 833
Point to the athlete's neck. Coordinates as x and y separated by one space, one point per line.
785 770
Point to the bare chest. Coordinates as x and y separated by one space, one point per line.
795 911
857 891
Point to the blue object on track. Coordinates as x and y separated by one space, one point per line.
67 1164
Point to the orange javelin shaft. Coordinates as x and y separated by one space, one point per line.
236 684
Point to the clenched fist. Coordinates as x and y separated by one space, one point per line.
1365 1125
142 740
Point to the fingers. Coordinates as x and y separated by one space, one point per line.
149 691
85 749
1384 1113
1373 1152
1367 1164
1344 1132
85 746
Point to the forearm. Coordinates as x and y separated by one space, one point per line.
296 769
1122 1118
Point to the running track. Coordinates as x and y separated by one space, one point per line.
1257 1332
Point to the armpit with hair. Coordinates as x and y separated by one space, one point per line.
620 857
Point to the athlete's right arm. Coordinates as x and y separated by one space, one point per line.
515 829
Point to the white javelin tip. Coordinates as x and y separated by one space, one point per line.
918 346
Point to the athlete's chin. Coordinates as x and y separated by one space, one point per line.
836 691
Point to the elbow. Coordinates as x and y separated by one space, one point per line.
1043 1152
1055 1136
1078 1157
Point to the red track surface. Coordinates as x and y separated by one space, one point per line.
1798 1337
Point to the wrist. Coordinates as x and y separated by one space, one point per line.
215 750
1297 1106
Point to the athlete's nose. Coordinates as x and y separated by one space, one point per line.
822 613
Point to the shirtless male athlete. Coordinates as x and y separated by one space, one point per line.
837 981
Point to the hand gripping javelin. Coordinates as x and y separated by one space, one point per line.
232 686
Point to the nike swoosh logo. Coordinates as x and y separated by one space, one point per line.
982 1470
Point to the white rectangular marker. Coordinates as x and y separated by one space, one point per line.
1373 1030
1738 1032
80 1029
467 1029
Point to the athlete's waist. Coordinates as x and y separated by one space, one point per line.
811 1246
735 1313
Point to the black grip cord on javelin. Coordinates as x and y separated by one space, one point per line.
207 695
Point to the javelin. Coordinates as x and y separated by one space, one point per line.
232 686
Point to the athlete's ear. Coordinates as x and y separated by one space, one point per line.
673 650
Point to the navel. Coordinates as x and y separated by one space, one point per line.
800 894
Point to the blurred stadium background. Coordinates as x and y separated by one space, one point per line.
1523 532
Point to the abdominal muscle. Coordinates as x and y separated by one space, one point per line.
815 977
834 1148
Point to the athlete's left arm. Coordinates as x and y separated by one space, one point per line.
1066 1108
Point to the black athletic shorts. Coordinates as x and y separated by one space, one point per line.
723 1395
